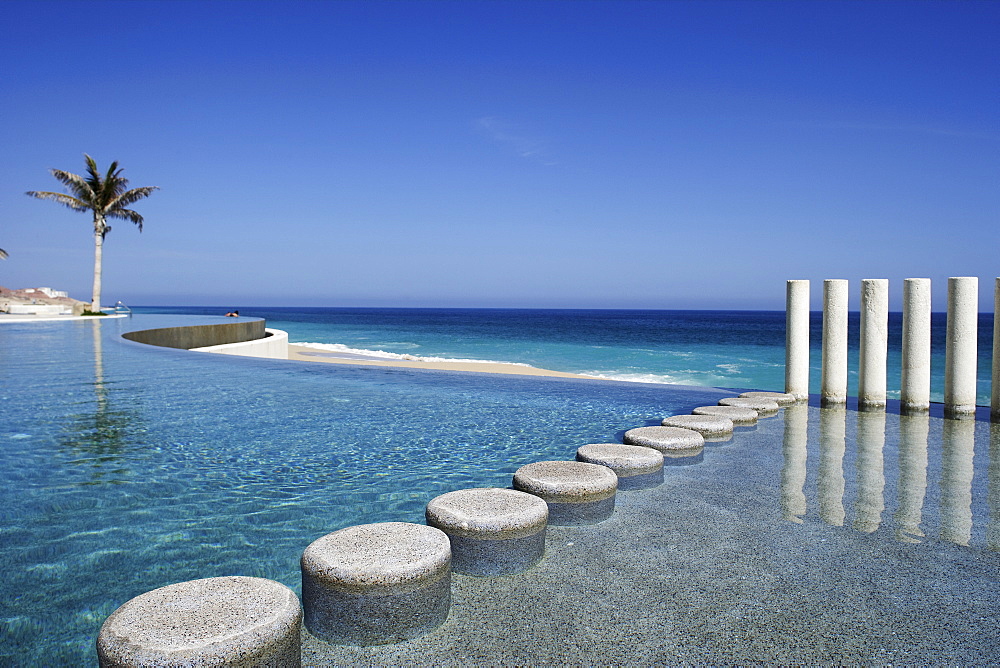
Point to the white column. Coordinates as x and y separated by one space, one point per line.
961 347
797 339
834 380
874 343
915 383
995 403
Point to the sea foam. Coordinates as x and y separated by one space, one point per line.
386 355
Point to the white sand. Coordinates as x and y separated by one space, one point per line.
305 354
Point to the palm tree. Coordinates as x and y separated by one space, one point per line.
106 196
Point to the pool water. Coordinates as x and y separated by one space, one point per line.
128 467
819 537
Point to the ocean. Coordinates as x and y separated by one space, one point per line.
732 349
130 467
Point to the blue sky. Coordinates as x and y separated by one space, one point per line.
522 154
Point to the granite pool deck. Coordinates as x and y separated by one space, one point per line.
740 559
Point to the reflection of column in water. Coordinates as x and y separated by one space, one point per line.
993 490
832 437
912 476
958 442
870 476
793 473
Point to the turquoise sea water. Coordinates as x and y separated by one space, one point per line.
710 348
128 467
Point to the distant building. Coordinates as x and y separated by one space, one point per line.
52 294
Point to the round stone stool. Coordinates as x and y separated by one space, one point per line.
780 398
576 492
225 621
741 417
374 584
668 440
683 457
492 531
764 407
637 467
712 427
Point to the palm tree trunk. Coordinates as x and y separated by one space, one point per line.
95 302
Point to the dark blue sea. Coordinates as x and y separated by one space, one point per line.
738 349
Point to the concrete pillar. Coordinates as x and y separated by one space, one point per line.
874 343
960 359
834 381
995 402
797 339
915 382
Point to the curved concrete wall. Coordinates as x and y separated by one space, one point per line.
200 336
273 346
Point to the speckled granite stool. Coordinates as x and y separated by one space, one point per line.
637 467
224 621
741 417
576 492
668 440
764 407
493 531
712 427
376 583
780 398
683 457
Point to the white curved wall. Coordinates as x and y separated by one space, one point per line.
274 346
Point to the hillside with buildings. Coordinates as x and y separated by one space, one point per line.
39 301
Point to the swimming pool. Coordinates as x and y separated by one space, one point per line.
128 467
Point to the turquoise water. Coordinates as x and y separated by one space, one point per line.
709 348
128 467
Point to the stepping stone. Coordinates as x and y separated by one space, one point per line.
741 417
224 621
709 426
780 398
764 407
637 467
684 457
374 584
492 531
577 492
668 440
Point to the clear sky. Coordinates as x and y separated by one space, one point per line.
523 154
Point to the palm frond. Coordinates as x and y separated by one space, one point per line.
62 198
75 183
114 184
126 214
107 195
131 197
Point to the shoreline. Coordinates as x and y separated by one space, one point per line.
27 317
301 353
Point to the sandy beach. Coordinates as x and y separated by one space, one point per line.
306 354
